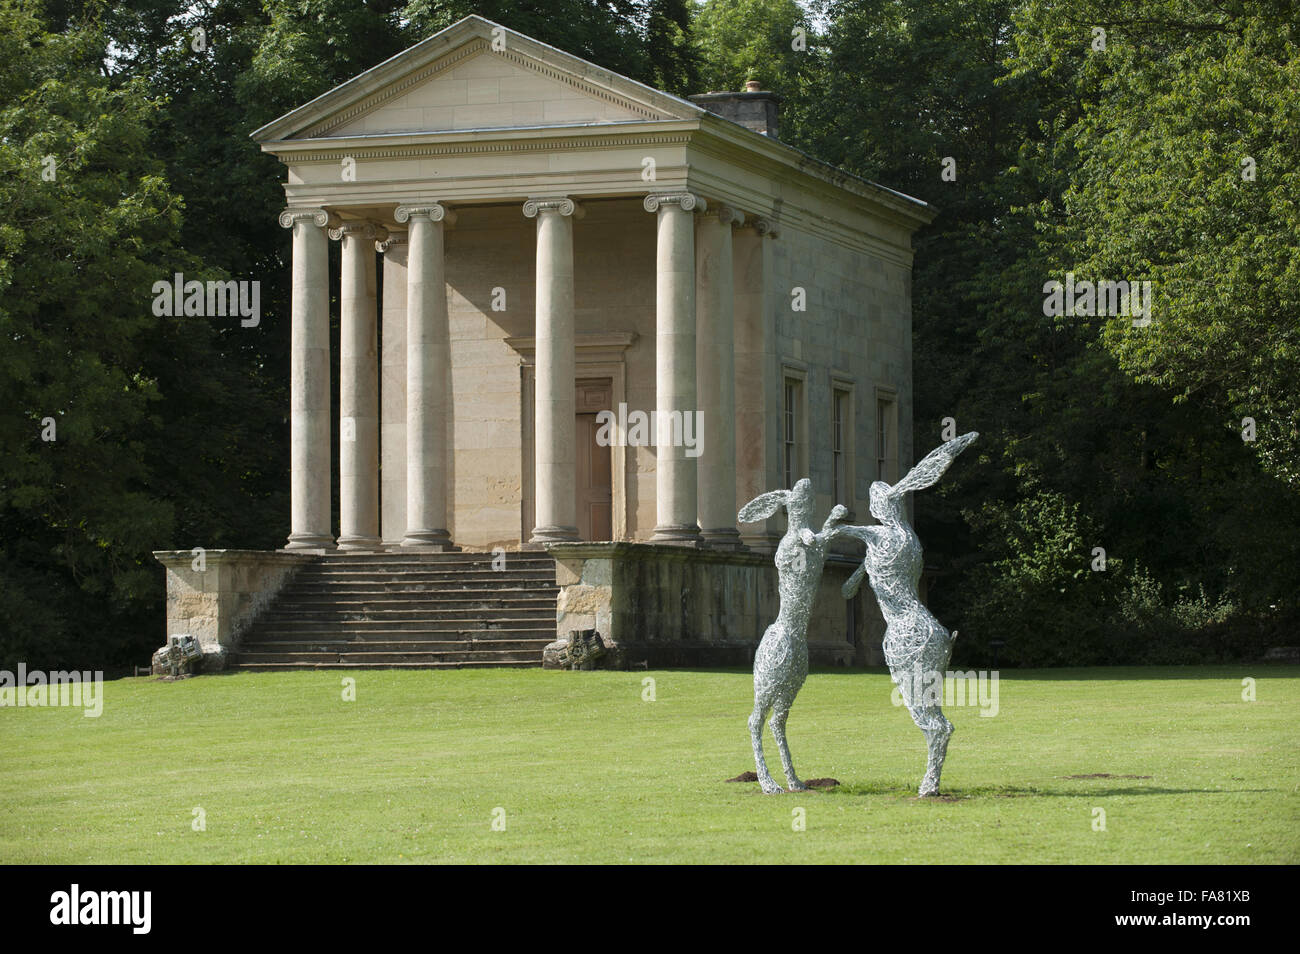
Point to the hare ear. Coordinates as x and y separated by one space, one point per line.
932 466
763 506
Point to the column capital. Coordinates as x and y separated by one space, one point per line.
318 216
433 211
394 238
561 204
363 230
688 201
765 226
729 215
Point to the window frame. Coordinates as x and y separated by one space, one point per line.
794 467
886 450
843 472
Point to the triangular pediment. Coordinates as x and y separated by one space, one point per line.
476 75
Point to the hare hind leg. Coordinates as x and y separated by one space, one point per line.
765 779
779 714
937 730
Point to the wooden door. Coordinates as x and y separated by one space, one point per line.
594 471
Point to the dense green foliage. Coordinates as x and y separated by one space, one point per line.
418 767
1122 162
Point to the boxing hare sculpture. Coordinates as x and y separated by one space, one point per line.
781 662
916 646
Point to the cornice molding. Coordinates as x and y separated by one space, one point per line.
355 149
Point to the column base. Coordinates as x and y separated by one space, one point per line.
436 540
360 543
543 535
679 535
724 538
309 541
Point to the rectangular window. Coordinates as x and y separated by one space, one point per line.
882 439
839 447
790 436
886 437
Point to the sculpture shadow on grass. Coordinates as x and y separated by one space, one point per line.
983 793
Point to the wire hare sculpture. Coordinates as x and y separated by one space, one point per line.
781 661
916 645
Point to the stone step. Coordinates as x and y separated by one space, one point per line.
427 612
524 657
294 628
448 664
397 584
410 566
336 638
451 581
473 562
522 643
407 611
402 601
450 601
353 594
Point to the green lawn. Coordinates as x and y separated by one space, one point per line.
585 770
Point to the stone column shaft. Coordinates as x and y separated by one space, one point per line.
428 369
675 359
758 401
358 390
392 393
716 379
309 382
554 454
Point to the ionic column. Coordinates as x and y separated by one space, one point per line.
759 396
554 450
428 367
392 392
716 380
675 472
309 382
358 389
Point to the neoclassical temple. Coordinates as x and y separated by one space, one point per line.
556 241
539 256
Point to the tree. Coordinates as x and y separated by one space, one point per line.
1187 174
771 41
1065 431
88 215
673 60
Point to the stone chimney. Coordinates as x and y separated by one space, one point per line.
754 108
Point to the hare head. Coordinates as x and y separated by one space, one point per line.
886 506
887 501
797 501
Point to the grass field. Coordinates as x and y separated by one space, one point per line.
579 767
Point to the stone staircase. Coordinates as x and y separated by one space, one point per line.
403 610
